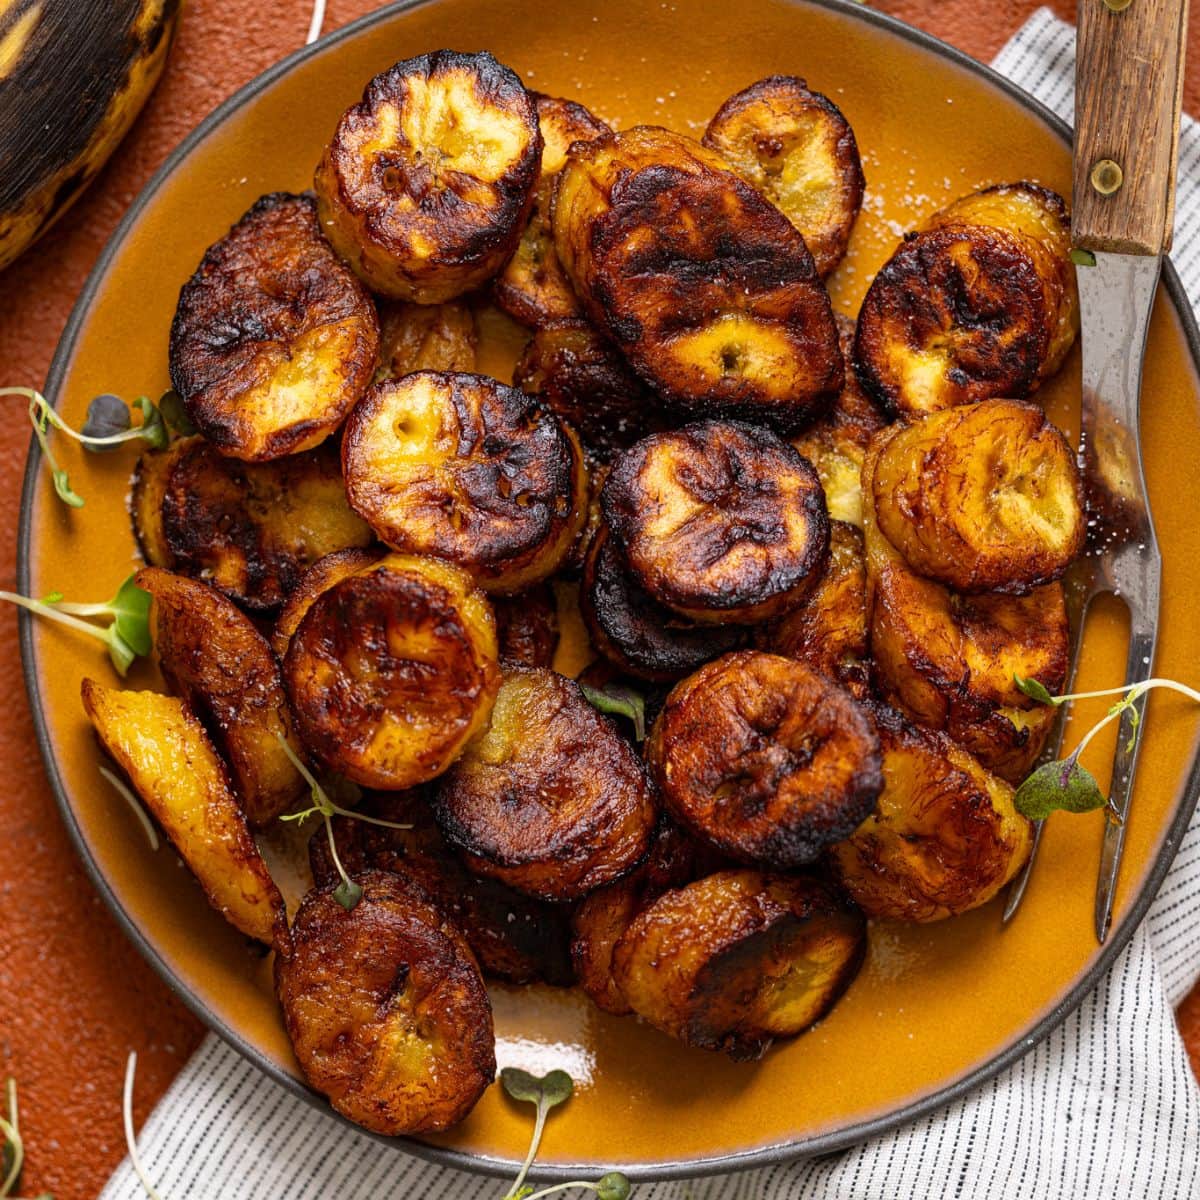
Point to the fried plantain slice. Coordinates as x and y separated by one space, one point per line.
983 498
392 670
274 339
527 627
706 288
836 442
533 288
212 655
797 148
321 576
948 660
979 304
159 743
829 630
583 380
740 958
944 836
514 937
469 469
721 521
633 631
425 337
386 1009
765 759
427 181
249 529
549 799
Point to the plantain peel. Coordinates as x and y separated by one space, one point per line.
983 498
707 289
427 181
795 146
469 469
274 340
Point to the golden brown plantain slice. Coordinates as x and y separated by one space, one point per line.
212 655
829 630
161 746
249 529
836 442
797 148
584 381
425 337
533 288
321 576
527 627
706 287
948 660
469 469
549 799
944 836
633 631
983 498
392 670
721 521
426 184
274 339
386 1009
765 759
740 958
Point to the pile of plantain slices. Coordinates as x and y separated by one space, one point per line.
818 549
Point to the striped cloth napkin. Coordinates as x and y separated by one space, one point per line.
1106 1106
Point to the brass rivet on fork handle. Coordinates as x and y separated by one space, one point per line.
1107 176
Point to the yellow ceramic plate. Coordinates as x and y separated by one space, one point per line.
936 1008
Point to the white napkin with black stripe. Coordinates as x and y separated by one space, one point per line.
1105 1107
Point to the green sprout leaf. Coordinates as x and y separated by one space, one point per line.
170 404
1035 690
130 608
613 1186
1082 258
154 429
107 416
348 893
1060 786
619 700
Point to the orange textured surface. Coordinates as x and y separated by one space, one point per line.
77 997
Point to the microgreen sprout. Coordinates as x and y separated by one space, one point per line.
109 424
118 785
127 634
130 1136
546 1092
12 1150
348 893
1082 258
619 700
1064 784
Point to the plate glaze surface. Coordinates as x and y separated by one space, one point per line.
937 1008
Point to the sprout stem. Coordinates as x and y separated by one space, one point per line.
134 803
1134 691
54 613
130 1138
318 19
40 410
12 1135
538 1125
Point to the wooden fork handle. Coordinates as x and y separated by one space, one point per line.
1128 92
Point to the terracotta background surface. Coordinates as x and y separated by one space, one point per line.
75 997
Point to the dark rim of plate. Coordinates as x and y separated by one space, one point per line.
764 1156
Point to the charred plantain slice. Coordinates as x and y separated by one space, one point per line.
633 631
944 836
426 184
738 959
425 337
797 148
274 339
706 287
836 442
948 660
1038 216
386 1009
514 937
321 576
392 670
212 655
829 630
533 288
583 380
983 498
249 529
469 469
765 759
161 746
527 627
549 799
720 521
